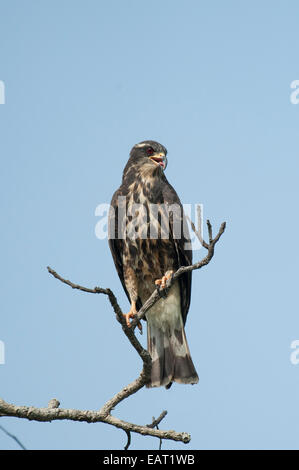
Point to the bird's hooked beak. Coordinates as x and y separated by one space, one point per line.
159 159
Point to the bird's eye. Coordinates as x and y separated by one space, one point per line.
150 151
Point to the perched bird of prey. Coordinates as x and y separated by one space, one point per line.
149 240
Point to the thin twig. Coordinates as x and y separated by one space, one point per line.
157 421
155 424
13 437
128 433
95 290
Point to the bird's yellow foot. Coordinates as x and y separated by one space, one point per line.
132 313
162 282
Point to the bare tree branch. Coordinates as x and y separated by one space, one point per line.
53 412
50 414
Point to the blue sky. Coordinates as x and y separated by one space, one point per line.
84 82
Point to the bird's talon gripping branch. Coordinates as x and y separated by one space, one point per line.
161 284
131 315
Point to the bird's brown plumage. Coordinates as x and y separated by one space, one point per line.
145 245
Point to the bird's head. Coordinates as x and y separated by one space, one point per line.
150 152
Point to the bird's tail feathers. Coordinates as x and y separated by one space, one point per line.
171 359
